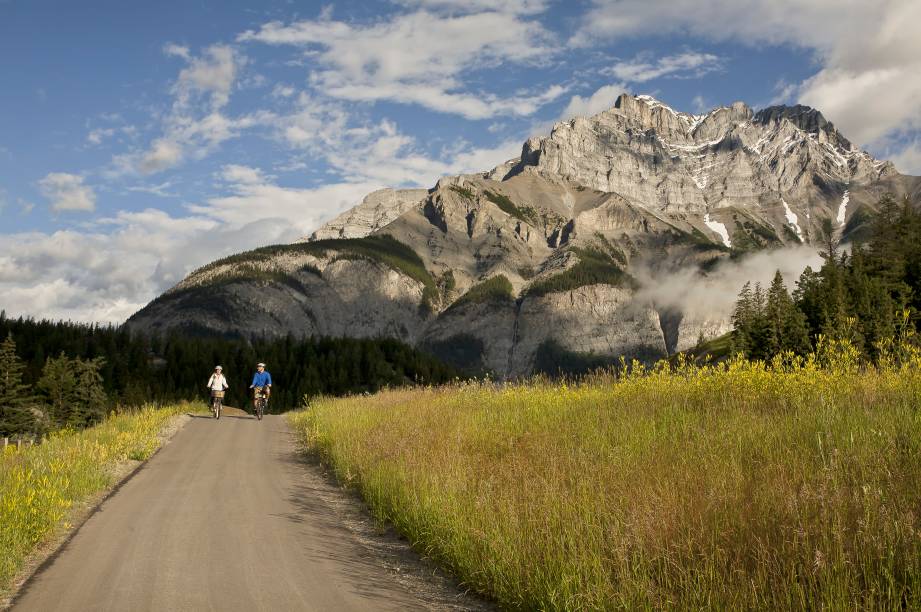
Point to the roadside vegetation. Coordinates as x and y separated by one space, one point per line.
41 485
57 374
744 485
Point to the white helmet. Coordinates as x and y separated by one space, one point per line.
218 368
260 365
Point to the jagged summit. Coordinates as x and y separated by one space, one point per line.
636 191
669 161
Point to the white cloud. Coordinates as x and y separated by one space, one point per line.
197 123
109 270
419 58
175 50
233 173
908 158
96 136
520 7
378 153
163 153
212 74
603 99
686 64
67 192
252 196
283 91
869 52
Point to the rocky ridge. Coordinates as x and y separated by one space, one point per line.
566 224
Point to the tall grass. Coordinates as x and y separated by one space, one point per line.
743 485
39 485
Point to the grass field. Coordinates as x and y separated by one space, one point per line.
739 486
39 485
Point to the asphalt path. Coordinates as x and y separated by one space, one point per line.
222 518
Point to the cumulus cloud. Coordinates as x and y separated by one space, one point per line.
869 52
163 153
197 123
420 57
378 152
66 192
212 75
603 99
520 7
683 65
109 271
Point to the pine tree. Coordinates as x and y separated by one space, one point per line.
58 385
15 396
786 324
742 321
89 396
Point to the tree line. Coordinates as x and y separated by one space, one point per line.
61 374
865 296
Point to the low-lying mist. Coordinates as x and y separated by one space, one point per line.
712 295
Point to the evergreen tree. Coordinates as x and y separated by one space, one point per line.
15 397
58 386
785 323
89 396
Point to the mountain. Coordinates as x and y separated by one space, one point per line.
536 264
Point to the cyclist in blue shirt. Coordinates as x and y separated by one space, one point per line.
261 380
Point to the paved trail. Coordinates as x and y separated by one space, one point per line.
223 518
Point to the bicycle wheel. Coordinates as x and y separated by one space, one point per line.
218 404
260 408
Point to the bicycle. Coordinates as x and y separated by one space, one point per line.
261 396
217 402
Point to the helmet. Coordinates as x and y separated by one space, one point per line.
218 368
260 365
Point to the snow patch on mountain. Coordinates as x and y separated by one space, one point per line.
792 219
719 228
842 208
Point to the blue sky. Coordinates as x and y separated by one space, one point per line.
141 140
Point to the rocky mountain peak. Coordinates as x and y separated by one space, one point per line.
807 119
555 256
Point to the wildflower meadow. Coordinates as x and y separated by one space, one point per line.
743 485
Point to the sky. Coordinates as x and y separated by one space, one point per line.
141 140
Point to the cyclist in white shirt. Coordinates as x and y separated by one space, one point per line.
217 382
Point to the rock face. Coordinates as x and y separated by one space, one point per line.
374 212
565 224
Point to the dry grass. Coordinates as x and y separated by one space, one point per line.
39 485
734 486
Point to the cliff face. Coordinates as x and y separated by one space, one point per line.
567 225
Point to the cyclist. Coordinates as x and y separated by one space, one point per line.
217 383
262 380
